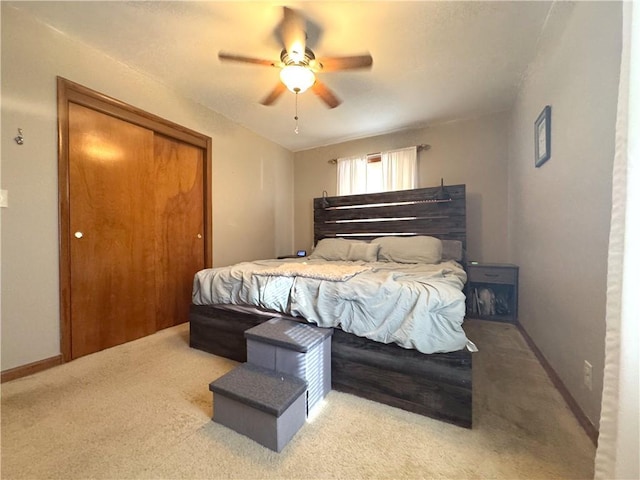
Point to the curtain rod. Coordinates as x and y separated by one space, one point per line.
422 146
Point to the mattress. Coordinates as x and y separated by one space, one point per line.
416 306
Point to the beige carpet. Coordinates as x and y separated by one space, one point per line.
143 410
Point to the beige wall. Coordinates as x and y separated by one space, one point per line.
560 213
473 152
252 213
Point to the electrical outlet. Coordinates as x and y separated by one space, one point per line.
588 375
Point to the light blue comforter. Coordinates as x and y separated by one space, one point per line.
416 306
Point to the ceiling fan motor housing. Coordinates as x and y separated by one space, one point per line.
309 57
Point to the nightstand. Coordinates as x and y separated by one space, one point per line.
492 291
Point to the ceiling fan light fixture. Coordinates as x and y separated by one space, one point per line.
297 78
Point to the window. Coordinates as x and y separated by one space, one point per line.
375 182
384 172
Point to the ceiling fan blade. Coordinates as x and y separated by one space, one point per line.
274 94
294 35
239 58
332 64
327 96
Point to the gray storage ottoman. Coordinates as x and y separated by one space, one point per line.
264 405
294 348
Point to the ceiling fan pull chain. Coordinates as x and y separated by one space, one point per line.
296 117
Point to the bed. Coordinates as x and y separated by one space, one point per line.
383 347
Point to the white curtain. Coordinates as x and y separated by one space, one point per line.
619 439
352 175
399 169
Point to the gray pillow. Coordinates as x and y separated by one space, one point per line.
346 250
418 249
366 252
452 250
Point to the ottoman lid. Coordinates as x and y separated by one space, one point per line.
288 334
266 390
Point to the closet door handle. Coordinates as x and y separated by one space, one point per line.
199 235
78 235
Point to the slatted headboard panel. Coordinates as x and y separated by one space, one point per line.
404 212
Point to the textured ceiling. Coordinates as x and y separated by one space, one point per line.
432 61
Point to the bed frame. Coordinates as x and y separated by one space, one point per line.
436 385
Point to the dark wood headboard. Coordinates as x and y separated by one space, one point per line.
404 212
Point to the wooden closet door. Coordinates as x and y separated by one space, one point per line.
112 230
179 235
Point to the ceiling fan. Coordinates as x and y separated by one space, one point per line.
299 64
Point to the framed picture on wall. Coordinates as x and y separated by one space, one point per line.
543 136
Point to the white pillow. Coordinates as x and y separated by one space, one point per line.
335 249
419 249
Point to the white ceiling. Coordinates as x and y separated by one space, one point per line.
433 61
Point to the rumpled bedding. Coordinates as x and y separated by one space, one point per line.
325 271
416 306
